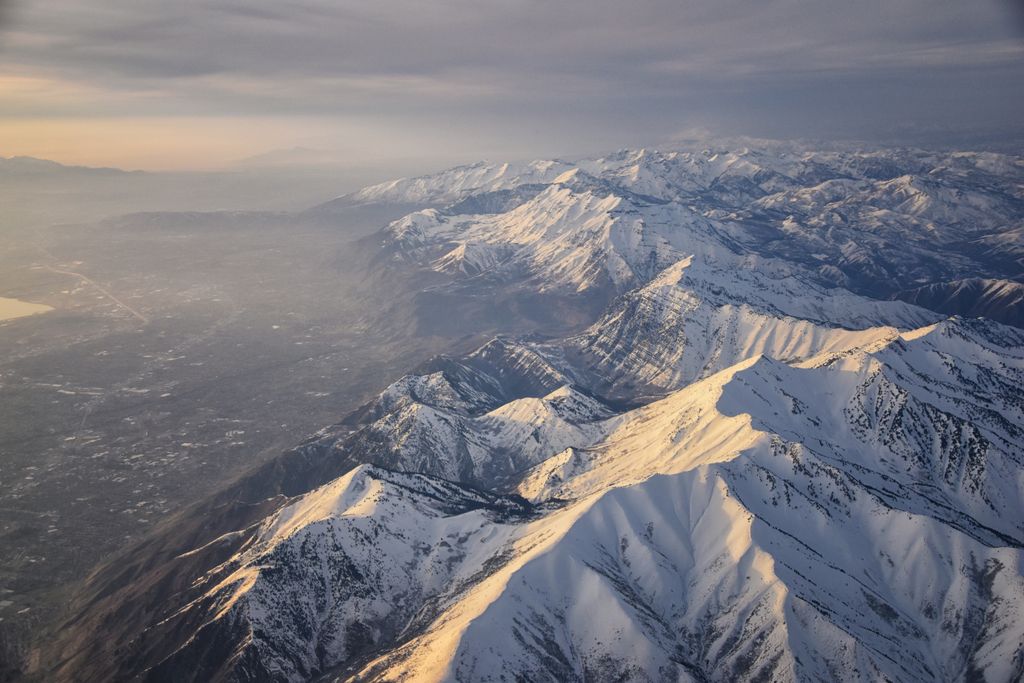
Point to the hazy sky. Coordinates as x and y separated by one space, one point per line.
200 83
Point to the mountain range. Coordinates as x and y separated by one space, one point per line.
747 414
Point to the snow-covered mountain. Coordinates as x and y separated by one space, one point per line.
736 470
854 512
877 223
700 316
456 183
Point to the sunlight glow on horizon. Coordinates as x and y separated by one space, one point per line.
157 143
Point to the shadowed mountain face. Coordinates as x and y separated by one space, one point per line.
722 452
1001 300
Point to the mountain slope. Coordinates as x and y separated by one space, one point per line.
738 552
454 184
761 523
1000 300
700 315
874 222
338 570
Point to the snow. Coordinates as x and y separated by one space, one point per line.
703 316
685 509
756 522
456 183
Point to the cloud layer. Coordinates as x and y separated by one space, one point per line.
501 76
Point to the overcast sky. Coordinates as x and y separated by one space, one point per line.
200 83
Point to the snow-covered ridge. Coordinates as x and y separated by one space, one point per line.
457 183
780 504
702 315
616 221
770 520
493 446
350 562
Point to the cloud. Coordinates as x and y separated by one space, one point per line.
583 71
